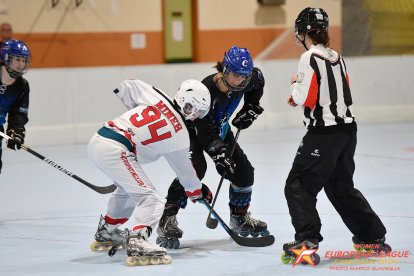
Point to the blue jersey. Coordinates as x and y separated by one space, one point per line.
14 102
216 124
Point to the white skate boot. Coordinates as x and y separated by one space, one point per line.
141 252
105 239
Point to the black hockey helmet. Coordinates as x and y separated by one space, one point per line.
311 19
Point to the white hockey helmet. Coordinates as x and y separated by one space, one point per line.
194 99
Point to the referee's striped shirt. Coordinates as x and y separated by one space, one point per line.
322 88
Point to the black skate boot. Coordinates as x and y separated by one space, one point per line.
168 232
141 252
289 256
106 240
245 225
377 246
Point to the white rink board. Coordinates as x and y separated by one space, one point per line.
68 105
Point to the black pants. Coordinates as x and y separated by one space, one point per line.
327 161
243 177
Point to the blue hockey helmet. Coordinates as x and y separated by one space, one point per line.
238 61
15 48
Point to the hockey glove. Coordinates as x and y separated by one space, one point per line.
245 117
17 140
203 193
224 163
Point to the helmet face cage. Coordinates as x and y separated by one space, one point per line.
13 49
239 62
193 98
311 19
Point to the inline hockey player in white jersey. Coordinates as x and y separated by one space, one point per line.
154 126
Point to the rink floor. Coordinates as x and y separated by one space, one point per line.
47 219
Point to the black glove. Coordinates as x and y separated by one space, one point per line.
224 163
17 140
246 116
203 193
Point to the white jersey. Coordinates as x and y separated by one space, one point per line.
155 129
322 88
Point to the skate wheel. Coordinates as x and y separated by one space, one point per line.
358 247
166 259
316 259
286 258
143 261
155 260
159 240
265 233
100 246
173 244
163 242
135 261
95 246
387 248
244 234
254 235
131 261
384 249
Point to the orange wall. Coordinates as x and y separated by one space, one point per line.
288 49
212 44
92 49
97 33
106 49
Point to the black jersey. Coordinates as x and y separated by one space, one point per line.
14 103
215 125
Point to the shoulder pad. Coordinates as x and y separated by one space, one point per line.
259 75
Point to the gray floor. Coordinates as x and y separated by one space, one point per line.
47 219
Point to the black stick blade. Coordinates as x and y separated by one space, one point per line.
105 190
253 242
211 222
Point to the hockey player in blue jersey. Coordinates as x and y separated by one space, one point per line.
14 92
236 79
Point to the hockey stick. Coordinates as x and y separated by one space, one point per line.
212 222
243 241
101 190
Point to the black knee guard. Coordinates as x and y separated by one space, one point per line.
240 198
176 196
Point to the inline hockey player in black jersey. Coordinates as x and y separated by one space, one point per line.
236 77
14 92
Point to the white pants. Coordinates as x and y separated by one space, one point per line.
135 192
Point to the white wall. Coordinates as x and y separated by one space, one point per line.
69 105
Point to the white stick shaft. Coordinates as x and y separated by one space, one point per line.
5 135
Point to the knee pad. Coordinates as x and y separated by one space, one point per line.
176 195
240 197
